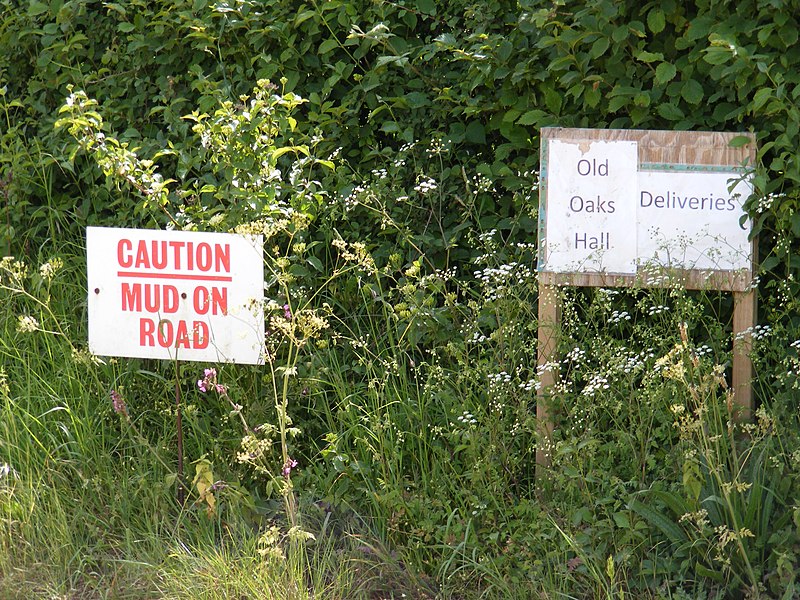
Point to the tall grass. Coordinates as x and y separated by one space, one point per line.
416 456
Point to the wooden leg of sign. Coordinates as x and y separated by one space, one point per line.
744 318
549 320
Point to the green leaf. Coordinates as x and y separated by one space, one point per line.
796 224
706 572
699 27
125 27
475 133
637 29
788 35
665 72
427 7
390 127
649 57
109 6
767 264
670 112
760 98
717 55
36 8
656 21
619 34
511 115
303 16
391 59
599 47
328 45
315 262
562 63
417 100
621 520
278 152
764 33
592 96
692 91
739 141
672 501
659 521
553 100
617 102
532 117
692 480
446 39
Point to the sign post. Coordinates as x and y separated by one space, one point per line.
175 295
620 208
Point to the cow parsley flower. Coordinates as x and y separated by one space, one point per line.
27 324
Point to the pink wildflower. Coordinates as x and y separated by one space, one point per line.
288 466
118 403
209 383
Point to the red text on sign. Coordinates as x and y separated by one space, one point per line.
214 299
188 256
150 297
167 334
158 298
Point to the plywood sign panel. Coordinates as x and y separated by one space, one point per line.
627 202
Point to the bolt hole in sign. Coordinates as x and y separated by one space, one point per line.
175 295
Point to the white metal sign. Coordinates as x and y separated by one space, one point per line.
175 294
605 213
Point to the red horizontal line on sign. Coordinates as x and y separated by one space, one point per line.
182 276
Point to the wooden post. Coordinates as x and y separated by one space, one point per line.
549 322
744 318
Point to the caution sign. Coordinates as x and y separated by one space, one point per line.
175 295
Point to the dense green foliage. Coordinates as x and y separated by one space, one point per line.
390 152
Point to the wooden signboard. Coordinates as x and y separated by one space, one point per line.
621 208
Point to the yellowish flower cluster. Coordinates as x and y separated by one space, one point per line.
27 324
5 389
16 271
49 269
355 252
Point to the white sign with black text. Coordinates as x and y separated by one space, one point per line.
605 214
591 206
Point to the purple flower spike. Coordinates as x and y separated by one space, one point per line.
118 402
288 466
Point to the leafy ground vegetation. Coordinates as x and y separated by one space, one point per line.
388 152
